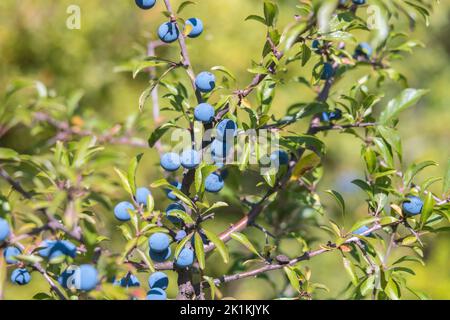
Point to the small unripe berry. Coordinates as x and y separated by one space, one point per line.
205 82
197 27
168 32
170 161
121 211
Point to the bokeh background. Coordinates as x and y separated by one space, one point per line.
35 44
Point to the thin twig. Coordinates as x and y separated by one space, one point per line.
305 256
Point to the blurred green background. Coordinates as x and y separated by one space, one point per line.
35 44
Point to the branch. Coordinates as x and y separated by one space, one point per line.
185 287
281 183
305 256
52 224
184 52
257 79
47 278
65 132
50 281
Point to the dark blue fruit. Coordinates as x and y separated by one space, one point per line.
158 280
214 183
205 82
413 206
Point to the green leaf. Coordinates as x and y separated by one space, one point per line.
293 279
146 259
392 137
306 54
199 252
132 172
245 156
183 5
8 154
180 214
414 169
385 151
365 222
159 132
177 193
418 294
409 259
124 181
367 285
212 286
220 245
305 164
371 160
270 178
427 209
350 269
219 204
150 204
409 240
143 65
256 18
224 70
392 290
338 197
200 176
245 242
181 245
387 220
270 13
406 99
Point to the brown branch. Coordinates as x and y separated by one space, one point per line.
52 224
256 210
305 256
185 286
65 132
44 273
50 281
